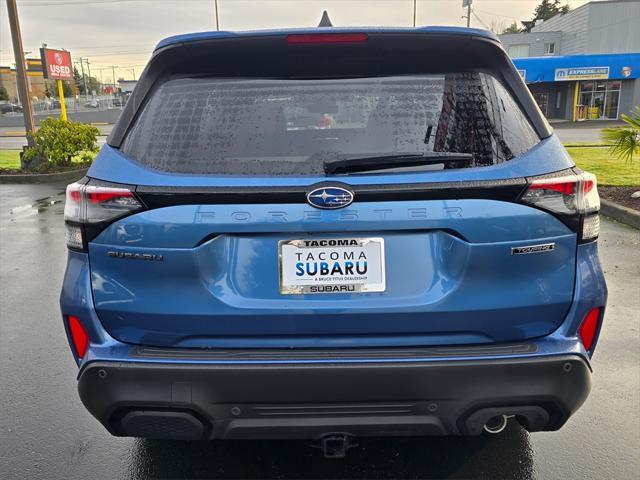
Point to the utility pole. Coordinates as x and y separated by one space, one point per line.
88 71
414 12
217 22
113 71
467 3
133 70
21 74
84 78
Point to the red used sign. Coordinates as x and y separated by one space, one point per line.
58 64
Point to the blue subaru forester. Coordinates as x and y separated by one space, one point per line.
328 233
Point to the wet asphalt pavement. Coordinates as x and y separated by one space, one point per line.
45 431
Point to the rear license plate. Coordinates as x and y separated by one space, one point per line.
342 265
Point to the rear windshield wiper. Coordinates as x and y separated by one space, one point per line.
351 164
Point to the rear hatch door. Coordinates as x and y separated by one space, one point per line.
248 239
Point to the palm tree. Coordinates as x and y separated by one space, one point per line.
625 142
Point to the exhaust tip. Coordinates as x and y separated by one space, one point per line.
496 424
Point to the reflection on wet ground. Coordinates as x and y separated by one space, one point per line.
508 455
39 206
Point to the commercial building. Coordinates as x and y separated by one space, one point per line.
126 86
35 79
8 81
583 65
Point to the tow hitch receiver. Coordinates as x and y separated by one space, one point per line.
335 445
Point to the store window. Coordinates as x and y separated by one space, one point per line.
549 48
599 99
518 51
542 99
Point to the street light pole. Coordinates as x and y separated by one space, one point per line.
414 12
21 74
217 22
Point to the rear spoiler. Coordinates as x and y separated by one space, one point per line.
381 53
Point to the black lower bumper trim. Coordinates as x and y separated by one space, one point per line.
336 354
311 400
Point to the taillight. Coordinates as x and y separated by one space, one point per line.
78 335
326 38
573 198
91 205
589 328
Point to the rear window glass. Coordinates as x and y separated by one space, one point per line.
295 127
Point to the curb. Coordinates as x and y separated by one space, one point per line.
620 213
69 176
586 145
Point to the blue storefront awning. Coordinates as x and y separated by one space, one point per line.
613 66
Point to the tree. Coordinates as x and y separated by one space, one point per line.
625 141
67 91
4 95
546 10
51 89
93 84
513 28
77 78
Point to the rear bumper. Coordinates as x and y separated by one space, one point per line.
308 400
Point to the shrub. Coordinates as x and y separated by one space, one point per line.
59 142
626 140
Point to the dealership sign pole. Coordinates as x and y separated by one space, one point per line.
21 74
57 66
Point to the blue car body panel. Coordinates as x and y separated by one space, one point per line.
227 287
456 294
77 299
467 289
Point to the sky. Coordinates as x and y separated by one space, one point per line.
124 32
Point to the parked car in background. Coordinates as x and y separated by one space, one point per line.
8 107
331 233
119 101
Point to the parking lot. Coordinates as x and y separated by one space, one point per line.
12 137
45 432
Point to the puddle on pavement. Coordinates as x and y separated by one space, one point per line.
41 205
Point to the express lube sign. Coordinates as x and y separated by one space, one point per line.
57 64
581 73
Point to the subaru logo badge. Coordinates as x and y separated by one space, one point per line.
329 197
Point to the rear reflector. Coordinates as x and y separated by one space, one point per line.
79 336
590 227
589 327
326 38
73 236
